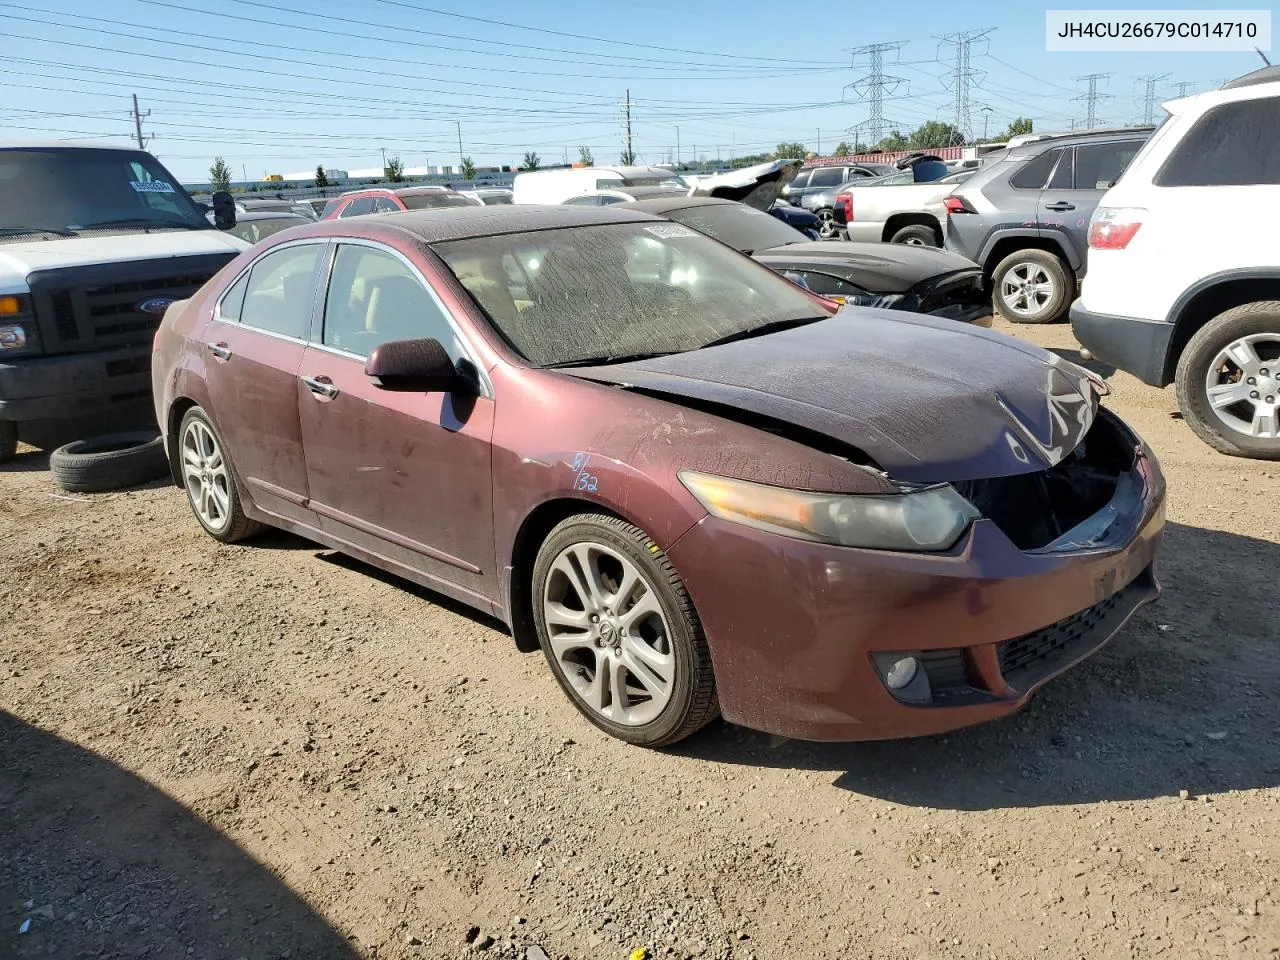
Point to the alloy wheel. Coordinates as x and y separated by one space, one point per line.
1026 289
826 224
205 475
608 635
1243 386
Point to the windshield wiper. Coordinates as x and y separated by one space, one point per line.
612 358
140 222
762 330
60 231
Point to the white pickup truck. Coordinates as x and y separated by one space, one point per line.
895 209
95 243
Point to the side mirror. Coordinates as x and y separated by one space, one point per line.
413 366
224 210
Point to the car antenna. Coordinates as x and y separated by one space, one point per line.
1263 56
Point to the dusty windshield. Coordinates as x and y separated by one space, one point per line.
619 290
72 190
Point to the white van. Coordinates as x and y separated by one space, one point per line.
95 243
557 186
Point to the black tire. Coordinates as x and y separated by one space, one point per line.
1061 276
917 235
238 526
109 463
693 703
1193 369
8 440
828 229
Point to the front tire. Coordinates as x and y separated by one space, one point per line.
1228 381
209 480
1033 286
620 632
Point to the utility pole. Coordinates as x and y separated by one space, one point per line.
384 160
1183 86
461 160
873 86
1149 96
627 115
963 77
986 119
137 123
1092 97
677 148
819 141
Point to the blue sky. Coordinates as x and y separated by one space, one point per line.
276 86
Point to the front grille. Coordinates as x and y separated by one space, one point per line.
1034 509
947 672
64 315
113 308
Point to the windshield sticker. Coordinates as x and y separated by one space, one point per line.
151 186
669 230
583 480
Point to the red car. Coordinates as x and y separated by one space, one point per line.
699 488
358 203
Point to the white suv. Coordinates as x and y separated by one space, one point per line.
1183 284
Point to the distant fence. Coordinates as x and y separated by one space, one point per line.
945 153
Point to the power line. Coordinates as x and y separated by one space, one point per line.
1092 97
874 86
1149 96
963 76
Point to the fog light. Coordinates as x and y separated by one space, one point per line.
12 337
901 673
904 676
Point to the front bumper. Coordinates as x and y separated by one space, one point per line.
793 625
1139 347
73 386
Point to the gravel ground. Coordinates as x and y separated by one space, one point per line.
269 751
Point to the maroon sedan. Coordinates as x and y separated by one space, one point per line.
697 487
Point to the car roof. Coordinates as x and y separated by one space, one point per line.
1268 74
65 145
443 224
1078 136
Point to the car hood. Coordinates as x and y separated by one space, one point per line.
19 259
877 267
928 400
757 186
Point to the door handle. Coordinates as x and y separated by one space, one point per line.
321 386
220 350
1060 207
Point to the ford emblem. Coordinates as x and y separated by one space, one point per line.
156 305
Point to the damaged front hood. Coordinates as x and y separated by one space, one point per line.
757 186
878 267
928 400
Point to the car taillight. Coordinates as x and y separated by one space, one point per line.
1113 227
846 203
955 205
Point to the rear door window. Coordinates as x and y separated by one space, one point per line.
1035 172
831 177
279 293
1064 173
357 208
385 205
802 180
1232 145
1099 165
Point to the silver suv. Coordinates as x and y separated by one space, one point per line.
1025 217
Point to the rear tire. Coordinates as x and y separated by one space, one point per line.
917 235
828 229
620 632
1033 286
8 440
1223 356
208 477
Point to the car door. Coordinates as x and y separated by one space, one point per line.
1073 192
795 190
255 343
403 475
825 179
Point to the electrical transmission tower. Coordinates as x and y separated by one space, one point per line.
962 77
1149 97
873 86
1183 86
1092 97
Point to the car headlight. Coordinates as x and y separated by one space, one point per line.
13 336
883 301
930 519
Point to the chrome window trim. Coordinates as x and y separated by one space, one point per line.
469 352
217 307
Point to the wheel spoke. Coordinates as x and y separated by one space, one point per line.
646 606
221 498
1243 355
190 456
561 616
647 665
587 562
1266 421
1226 394
616 671
567 642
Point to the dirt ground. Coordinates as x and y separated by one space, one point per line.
268 751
